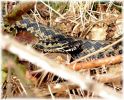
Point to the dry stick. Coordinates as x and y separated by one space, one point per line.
109 77
98 51
60 70
57 12
52 96
41 61
55 88
96 63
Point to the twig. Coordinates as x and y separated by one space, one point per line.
49 88
96 63
109 78
54 88
60 70
57 12
98 51
40 60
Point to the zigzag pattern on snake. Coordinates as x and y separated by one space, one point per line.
53 41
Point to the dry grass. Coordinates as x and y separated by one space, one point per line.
28 73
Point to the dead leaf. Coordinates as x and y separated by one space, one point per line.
98 33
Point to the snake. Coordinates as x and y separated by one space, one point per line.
54 41
51 40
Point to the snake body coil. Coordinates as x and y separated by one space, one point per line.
53 41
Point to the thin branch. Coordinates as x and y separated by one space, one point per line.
96 63
57 12
109 78
51 88
40 60
53 98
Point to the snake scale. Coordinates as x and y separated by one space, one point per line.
54 41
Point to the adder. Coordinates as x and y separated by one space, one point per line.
54 41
